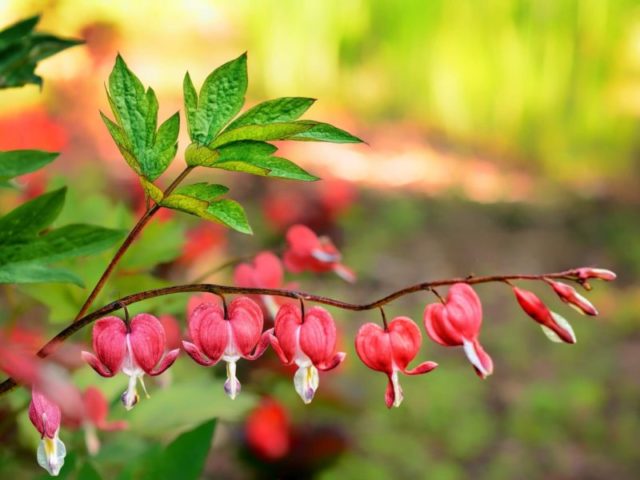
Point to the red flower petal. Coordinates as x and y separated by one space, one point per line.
246 323
318 335
209 330
44 414
405 338
373 346
287 321
109 343
148 341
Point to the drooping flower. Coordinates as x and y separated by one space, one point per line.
390 351
264 272
555 327
571 297
134 349
45 416
457 322
308 252
230 338
310 343
96 409
196 300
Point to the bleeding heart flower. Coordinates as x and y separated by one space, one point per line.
265 272
309 343
308 252
571 297
390 351
45 416
134 349
457 323
555 327
228 337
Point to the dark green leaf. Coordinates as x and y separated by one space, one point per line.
324 132
31 217
231 214
202 191
147 151
184 458
221 98
247 149
21 49
19 162
271 131
37 273
66 242
285 109
17 31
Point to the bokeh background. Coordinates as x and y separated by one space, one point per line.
502 138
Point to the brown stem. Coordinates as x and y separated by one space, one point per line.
133 234
52 345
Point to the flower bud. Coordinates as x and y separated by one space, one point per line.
537 310
599 273
571 297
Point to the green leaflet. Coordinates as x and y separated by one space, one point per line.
272 131
21 49
202 191
199 200
25 251
324 132
221 98
19 162
147 149
31 217
285 109
255 158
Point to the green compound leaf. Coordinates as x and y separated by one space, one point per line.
147 150
221 98
21 49
152 191
18 162
285 109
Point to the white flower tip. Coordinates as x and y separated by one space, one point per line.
306 381
51 453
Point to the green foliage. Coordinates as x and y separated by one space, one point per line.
221 98
27 251
200 200
21 49
147 149
285 109
18 162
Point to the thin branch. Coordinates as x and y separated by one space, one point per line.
79 324
133 234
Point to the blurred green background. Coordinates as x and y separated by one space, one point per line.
502 138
